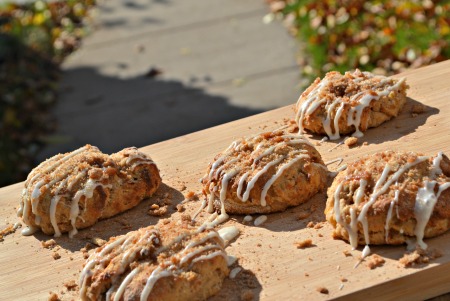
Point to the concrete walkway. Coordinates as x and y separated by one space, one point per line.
218 62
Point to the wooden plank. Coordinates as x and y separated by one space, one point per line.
278 270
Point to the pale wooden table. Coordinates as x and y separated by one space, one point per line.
278 270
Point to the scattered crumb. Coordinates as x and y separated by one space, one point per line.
310 225
419 256
344 279
71 285
8 230
49 244
155 210
183 187
351 141
56 255
98 241
418 109
319 225
307 243
53 297
180 208
347 253
375 261
247 295
414 115
189 195
306 275
186 217
320 234
304 215
365 143
322 290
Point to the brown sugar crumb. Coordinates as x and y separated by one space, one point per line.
189 195
303 215
306 275
180 208
344 279
418 109
307 243
155 210
71 285
322 290
98 241
310 225
186 217
419 256
375 261
53 297
56 255
351 141
347 253
8 230
247 295
49 244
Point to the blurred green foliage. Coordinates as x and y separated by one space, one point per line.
384 36
34 38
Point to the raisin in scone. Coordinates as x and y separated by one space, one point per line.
391 198
73 190
264 173
169 261
350 103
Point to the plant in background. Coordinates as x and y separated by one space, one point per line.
385 37
34 38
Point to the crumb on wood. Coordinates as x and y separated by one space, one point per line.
418 109
156 210
419 256
303 215
351 141
56 255
180 208
98 241
49 244
347 253
310 225
190 195
322 290
70 285
306 275
247 295
8 230
343 279
53 297
375 261
365 143
319 225
320 234
307 243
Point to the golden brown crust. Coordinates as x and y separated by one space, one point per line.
396 204
353 102
169 261
265 173
73 190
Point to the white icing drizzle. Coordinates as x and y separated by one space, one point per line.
436 167
247 218
389 215
277 175
231 260
340 160
228 233
425 201
256 177
124 284
234 272
359 193
241 185
260 220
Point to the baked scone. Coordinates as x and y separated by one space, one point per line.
73 190
391 198
169 261
350 103
264 173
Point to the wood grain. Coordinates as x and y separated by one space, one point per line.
274 266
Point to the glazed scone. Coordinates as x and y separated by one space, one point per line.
391 198
264 173
350 103
73 190
169 261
